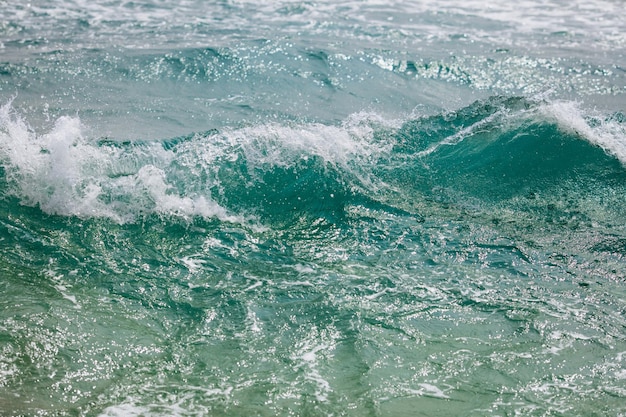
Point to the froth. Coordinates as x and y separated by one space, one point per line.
348 146
64 173
607 133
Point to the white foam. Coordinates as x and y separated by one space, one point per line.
125 410
348 145
430 390
256 284
462 134
608 134
307 360
179 404
192 264
62 287
304 269
252 321
64 173
378 294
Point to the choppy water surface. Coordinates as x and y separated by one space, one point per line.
312 209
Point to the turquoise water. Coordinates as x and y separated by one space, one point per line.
312 209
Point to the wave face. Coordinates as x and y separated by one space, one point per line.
275 209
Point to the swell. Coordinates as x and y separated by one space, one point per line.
505 147
504 150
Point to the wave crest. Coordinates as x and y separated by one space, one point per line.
492 150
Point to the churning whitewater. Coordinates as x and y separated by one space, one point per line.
372 208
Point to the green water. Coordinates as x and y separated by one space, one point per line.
424 275
358 208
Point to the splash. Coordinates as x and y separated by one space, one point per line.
64 173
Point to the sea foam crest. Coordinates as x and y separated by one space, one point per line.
607 133
350 147
64 173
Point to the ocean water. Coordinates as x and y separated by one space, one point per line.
280 208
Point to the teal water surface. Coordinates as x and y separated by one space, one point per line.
299 209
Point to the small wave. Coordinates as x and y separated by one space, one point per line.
65 173
494 149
